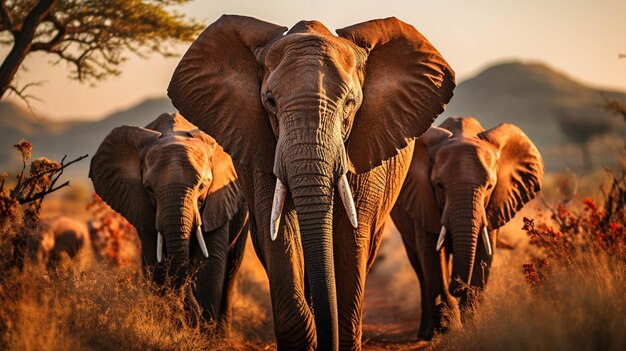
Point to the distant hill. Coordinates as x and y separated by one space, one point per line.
74 138
555 110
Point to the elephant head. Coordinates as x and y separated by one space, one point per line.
476 181
161 178
309 106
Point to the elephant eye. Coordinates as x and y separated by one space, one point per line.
349 103
271 101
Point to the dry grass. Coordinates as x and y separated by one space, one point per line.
109 308
101 309
576 309
573 294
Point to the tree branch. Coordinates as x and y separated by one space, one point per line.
7 18
21 93
42 194
21 187
23 43
56 40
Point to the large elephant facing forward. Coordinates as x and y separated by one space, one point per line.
464 183
179 188
304 112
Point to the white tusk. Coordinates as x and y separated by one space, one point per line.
159 247
201 242
277 208
348 201
486 241
442 236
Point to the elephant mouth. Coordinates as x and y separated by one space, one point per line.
198 235
464 243
485 232
280 194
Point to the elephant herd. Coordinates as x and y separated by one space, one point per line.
278 123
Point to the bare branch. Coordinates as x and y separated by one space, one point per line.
30 183
42 194
21 93
56 40
7 18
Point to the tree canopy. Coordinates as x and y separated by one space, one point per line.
93 36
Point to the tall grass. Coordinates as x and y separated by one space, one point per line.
581 308
571 296
115 308
100 309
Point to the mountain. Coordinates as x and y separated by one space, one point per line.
560 114
72 138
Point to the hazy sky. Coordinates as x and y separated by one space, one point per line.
581 38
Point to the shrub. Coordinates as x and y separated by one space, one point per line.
572 296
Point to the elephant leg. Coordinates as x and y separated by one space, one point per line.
352 248
294 325
283 260
427 319
212 271
433 294
420 247
238 236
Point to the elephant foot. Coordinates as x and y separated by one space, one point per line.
425 334
439 324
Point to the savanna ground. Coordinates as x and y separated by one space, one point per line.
560 285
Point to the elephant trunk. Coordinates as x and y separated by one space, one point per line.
176 215
313 205
310 167
463 216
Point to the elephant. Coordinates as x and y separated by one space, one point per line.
464 182
59 237
303 113
179 188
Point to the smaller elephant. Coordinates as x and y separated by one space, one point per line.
464 183
61 237
179 188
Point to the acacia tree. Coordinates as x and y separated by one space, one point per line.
92 36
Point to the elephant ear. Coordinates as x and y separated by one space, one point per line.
407 84
519 171
418 189
115 171
418 193
224 197
216 86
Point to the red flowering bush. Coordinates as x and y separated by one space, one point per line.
593 229
111 233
